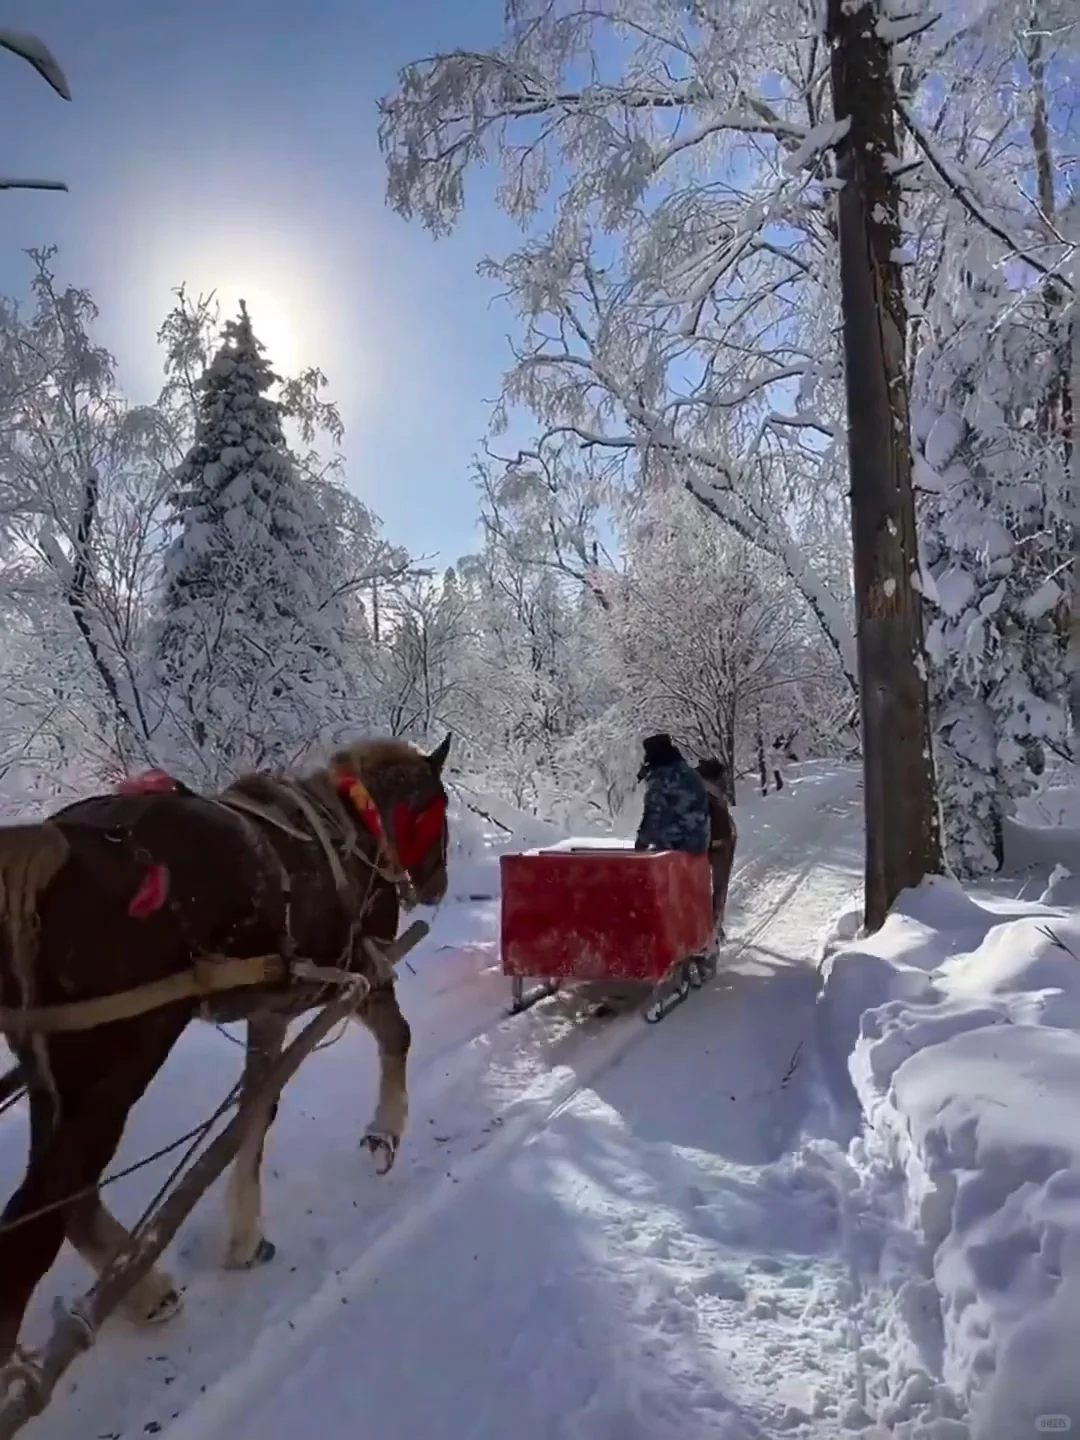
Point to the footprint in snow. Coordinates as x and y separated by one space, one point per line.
720 1285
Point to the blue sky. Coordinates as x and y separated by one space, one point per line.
232 143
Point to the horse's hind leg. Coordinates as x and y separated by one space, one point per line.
98 1237
380 1013
74 1132
729 863
243 1198
30 1234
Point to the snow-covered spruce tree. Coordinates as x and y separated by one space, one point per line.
995 545
249 657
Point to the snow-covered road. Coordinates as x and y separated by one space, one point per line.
596 1228
793 1211
648 1251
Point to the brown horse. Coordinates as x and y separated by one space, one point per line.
119 890
722 837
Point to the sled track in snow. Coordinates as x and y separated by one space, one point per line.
600 1044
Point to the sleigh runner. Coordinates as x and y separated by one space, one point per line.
628 917
124 917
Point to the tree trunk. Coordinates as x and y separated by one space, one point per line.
128 715
728 728
903 841
1072 481
759 745
1059 417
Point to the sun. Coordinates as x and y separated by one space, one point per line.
271 321
300 306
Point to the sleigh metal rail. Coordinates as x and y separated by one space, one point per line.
27 1384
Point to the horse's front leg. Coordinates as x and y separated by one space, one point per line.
247 1245
98 1237
379 1012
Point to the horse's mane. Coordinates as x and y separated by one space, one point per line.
376 754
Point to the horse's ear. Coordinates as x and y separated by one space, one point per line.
437 758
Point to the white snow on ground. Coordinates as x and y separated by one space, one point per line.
787 1210
958 1023
652 1255
1045 834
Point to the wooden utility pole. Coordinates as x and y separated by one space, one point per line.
903 840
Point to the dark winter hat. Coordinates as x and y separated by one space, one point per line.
660 750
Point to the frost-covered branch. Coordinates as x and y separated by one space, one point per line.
36 53
962 192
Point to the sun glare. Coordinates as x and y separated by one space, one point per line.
270 319
272 273
300 306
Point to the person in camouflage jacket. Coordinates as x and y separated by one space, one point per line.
676 814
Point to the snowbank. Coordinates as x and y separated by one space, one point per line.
1044 834
957 1030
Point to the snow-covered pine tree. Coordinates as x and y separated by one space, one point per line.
249 647
995 556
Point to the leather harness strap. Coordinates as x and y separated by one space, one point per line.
356 796
209 975
205 977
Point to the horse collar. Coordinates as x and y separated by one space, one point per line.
358 799
409 836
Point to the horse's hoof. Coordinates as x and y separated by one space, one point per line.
262 1254
20 1370
166 1307
384 1148
264 1251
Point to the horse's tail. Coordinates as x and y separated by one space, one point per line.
30 858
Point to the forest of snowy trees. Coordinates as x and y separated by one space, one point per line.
192 582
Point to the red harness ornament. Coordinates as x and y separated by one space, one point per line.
414 831
151 894
147 782
358 797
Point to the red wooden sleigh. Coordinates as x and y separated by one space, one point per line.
588 914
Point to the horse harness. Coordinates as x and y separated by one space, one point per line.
212 975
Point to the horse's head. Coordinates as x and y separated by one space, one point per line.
406 787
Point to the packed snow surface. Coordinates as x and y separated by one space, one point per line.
819 1200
